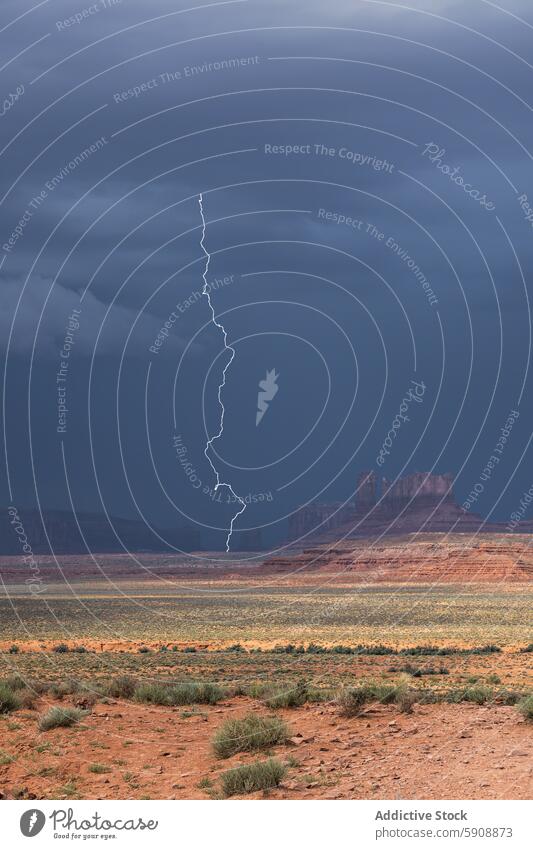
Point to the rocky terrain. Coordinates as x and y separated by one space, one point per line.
415 558
130 751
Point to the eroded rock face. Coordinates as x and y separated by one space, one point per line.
319 518
417 503
421 487
415 558
367 484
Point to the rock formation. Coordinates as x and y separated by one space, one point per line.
419 502
418 558
410 530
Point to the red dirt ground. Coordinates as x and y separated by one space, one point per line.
439 751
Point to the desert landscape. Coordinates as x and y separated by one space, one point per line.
391 665
354 689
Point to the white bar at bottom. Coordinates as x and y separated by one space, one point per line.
266 824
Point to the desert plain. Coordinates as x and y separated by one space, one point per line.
342 677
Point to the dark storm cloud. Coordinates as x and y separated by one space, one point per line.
131 226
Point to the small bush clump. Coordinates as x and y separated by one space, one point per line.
353 699
249 734
418 671
58 717
121 687
61 648
64 688
425 651
14 682
478 695
9 699
525 706
261 775
490 649
508 697
289 696
178 694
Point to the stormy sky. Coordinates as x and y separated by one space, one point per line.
366 172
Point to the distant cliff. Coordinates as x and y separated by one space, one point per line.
419 502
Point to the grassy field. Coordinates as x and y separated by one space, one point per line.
220 614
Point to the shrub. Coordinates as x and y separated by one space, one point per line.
289 696
99 769
38 687
14 649
374 650
490 649
425 651
58 717
64 688
319 694
14 682
249 734
508 697
366 650
405 699
353 699
87 700
27 699
201 694
478 695
418 671
388 694
261 775
121 687
144 650
9 700
153 694
313 648
525 706
178 694
528 648
80 649
342 650
61 648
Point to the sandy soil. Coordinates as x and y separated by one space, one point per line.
439 751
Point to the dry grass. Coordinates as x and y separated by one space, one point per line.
249 734
249 778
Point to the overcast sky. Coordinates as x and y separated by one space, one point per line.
365 168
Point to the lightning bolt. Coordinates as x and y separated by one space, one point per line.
33 820
209 443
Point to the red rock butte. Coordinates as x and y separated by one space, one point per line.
410 530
